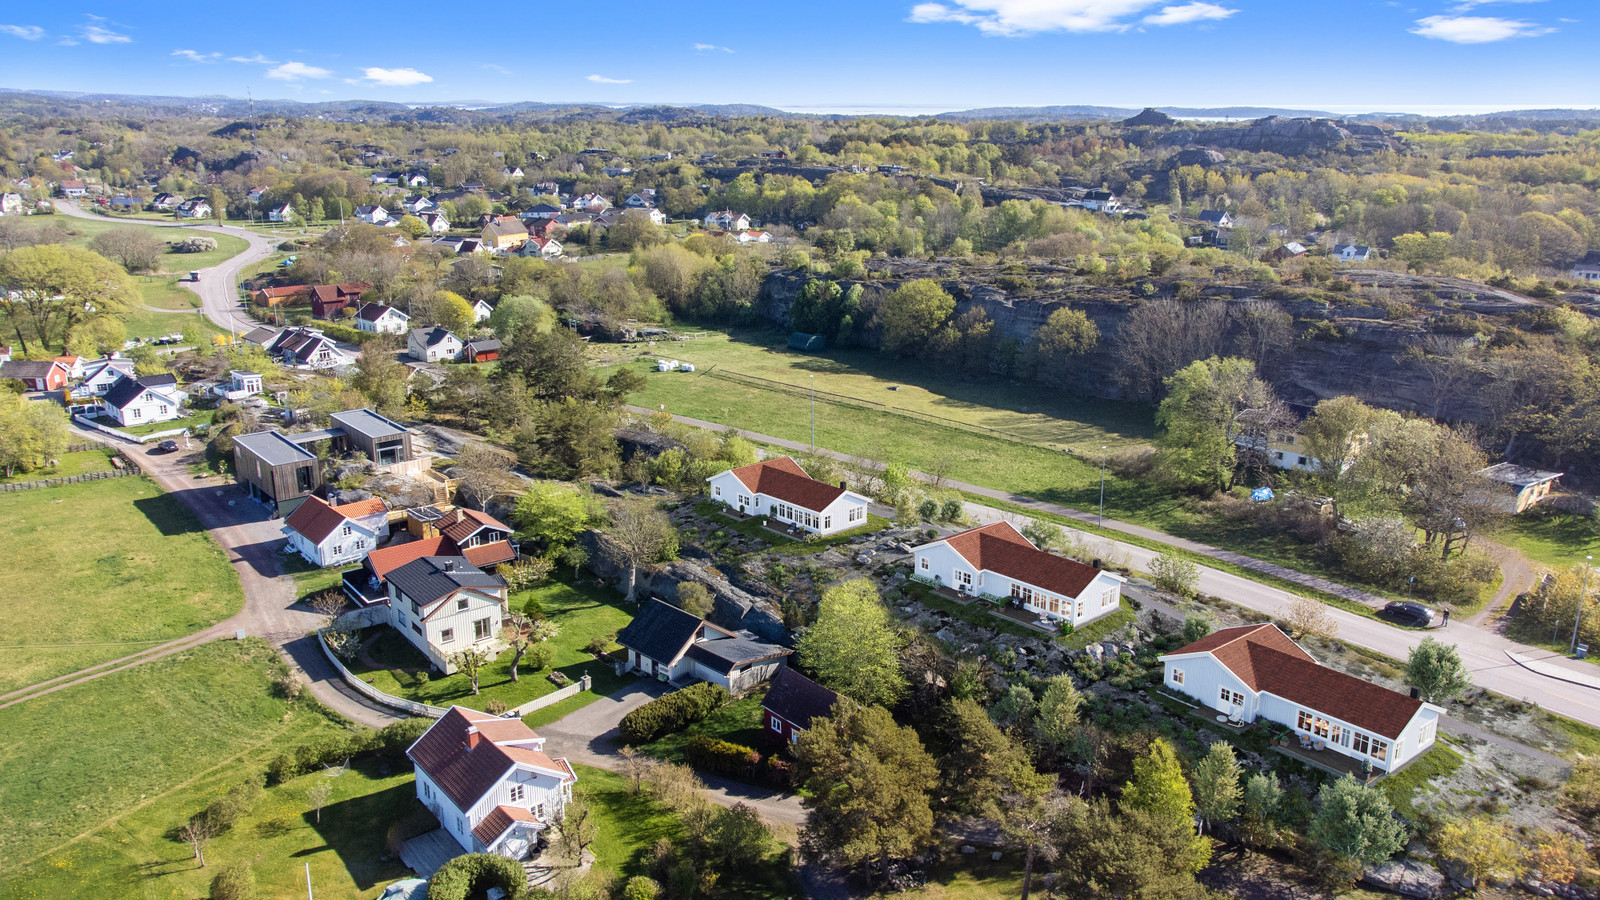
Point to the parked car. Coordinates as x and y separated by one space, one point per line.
1408 612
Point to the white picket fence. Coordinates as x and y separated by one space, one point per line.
118 433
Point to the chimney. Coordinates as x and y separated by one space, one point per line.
472 737
1416 694
843 485
449 565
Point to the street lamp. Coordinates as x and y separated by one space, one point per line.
1102 519
1582 592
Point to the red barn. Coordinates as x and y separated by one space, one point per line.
792 702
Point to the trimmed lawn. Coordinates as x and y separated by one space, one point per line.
80 462
739 722
149 323
149 574
83 231
1550 537
165 292
74 762
202 417
777 543
583 613
92 817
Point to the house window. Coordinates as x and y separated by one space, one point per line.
415 609
1278 455
1177 676
163 409
1425 736
717 491
480 630
415 628
1319 727
827 522
964 578
1302 460
1380 749
1230 698
136 414
347 531
427 791
447 636
1304 721
516 793
922 563
776 724
461 603
1108 598
1360 743
1081 605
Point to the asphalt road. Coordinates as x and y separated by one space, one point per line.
1482 649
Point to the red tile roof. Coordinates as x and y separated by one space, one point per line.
498 820
1266 660
461 524
1000 548
485 556
783 479
315 519
384 561
292 290
465 775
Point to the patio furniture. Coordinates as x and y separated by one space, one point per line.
1318 744
1235 721
1221 717
1304 741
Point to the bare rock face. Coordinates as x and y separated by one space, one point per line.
1198 156
400 492
1405 877
1150 118
1290 137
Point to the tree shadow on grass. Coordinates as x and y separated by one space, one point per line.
356 828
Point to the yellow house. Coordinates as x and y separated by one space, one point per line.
504 234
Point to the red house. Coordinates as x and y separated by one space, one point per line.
792 702
37 374
272 296
328 299
481 350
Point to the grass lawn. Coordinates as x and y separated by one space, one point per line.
91 817
76 761
195 420
1550 537
1402 786
582 612
165 291
80 462
150 323
739 722
1026 411
83 231
149 574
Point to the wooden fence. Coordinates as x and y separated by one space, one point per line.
129 467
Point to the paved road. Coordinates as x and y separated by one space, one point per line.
1484 650
218 286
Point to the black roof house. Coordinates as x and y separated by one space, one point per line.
797 699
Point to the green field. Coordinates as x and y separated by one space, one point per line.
77 463
165 292
1550 537
99 570
93 778
582 612
1026 412
149 323
82 231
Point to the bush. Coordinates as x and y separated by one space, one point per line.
195 245
600 645
1174 574
235 882
495 707
345 333
672 713
722 757
227 810
641 888
475 873
952 510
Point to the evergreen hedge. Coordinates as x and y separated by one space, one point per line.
672 713
474 874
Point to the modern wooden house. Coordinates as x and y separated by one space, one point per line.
276 470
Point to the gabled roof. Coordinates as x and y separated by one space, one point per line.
260 336
1002 549
1266 660
506 226
288 290
465 775
431 337
387 559
491 554
797 699
483 345
662 631
434 577
372 312
29 368
460 524
783 479
1516 476
126 390
315 519
1213 215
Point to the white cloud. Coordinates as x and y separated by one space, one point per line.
1009 18
1476 29
708 48
1464 5
67 42
294 71
494 68
253 58
95 34
26 32
1189 12
601 79
395 77
196 56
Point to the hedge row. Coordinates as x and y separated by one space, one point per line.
672 713
473 875
390 741
721 757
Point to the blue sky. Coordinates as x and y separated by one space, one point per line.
912 56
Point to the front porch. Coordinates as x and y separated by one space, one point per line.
1328 760
1027 619
1217 718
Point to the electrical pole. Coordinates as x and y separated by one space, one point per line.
1101 521
813 413
1583 593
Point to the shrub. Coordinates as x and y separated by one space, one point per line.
722 757
952 510
475 873
600 645
672 713
227 810
235 882
640 887
928 509
1175 574
195 245
495 707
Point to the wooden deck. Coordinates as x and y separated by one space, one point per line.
953 595
426 853
1030 620
1330 761
1210 716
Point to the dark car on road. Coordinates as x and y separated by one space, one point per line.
167 447
1408 612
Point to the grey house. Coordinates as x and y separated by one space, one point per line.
276 470
383 440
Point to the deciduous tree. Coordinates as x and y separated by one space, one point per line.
1214 779
912 314
1356 822
853 647
640 532
1436 671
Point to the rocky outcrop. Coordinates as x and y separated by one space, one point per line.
1408 878
1198 156
1150 118
1290 137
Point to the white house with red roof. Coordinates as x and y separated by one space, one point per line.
997 561
328 535
779 489
489 781
1256 672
